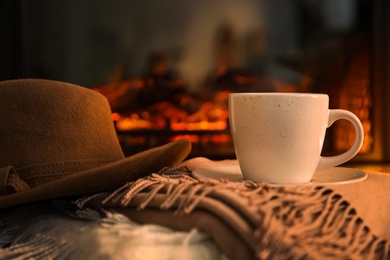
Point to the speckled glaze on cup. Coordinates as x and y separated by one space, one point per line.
278 137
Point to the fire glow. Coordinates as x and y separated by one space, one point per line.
206 123
209 117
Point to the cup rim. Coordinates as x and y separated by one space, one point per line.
296 94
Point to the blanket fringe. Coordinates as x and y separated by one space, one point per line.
305 222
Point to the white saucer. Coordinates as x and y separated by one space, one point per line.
336 175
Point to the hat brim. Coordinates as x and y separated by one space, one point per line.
107 177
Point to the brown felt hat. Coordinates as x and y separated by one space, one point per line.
58 139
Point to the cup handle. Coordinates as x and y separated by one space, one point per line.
331 161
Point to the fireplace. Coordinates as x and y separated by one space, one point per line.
167 68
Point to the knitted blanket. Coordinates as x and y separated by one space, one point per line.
255 220
246 220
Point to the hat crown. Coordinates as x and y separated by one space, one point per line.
50 121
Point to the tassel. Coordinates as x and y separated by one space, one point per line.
293 222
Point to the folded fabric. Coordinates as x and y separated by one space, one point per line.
255 220
58 230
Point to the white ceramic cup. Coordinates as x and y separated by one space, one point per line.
278 137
